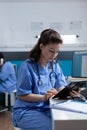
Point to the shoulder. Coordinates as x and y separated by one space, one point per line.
8 64
30 61
8 67
27 63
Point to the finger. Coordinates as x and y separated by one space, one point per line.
48 96
54 91
49 93
74 94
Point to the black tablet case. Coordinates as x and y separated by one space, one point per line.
65 93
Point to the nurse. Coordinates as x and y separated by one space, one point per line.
39 78
7 76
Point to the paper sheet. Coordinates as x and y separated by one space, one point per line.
71 106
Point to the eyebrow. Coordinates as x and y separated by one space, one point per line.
53 51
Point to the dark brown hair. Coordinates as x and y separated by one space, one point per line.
46 36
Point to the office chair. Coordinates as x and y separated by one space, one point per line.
10 97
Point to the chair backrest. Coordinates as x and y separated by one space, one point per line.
15 68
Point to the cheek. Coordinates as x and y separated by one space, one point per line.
46 54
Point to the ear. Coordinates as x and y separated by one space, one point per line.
41 46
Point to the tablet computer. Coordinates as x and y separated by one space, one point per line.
65 93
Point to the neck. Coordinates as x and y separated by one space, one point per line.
43 62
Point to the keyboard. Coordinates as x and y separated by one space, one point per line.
84 92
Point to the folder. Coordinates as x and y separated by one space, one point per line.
77 79
71 106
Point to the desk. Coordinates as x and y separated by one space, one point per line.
64 120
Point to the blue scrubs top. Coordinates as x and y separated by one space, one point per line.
8 80
28 77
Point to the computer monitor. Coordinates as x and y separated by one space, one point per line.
79 66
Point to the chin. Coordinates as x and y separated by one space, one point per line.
50 60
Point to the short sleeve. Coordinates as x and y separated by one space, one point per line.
24 85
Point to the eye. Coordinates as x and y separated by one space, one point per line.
52 51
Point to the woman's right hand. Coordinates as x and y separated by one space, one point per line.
50 93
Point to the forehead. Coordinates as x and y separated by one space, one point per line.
53 46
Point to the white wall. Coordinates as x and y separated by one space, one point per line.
19 23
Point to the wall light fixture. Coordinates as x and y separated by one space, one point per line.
69 39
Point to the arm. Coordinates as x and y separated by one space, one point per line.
37 97
32 97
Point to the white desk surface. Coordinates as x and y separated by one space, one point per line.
65 115
64 120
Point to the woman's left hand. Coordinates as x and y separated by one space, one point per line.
74 93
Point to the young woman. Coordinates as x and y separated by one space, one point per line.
39 78
7 77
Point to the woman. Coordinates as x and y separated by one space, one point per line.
7 78
39 78
7 75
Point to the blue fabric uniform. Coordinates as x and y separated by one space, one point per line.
36 115
8 80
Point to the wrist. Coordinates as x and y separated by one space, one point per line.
44 98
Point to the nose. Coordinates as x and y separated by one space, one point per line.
55 53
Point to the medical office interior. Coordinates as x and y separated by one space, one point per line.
21 22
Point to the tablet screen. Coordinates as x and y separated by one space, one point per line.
65 93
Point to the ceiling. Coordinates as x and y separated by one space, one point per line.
7 1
